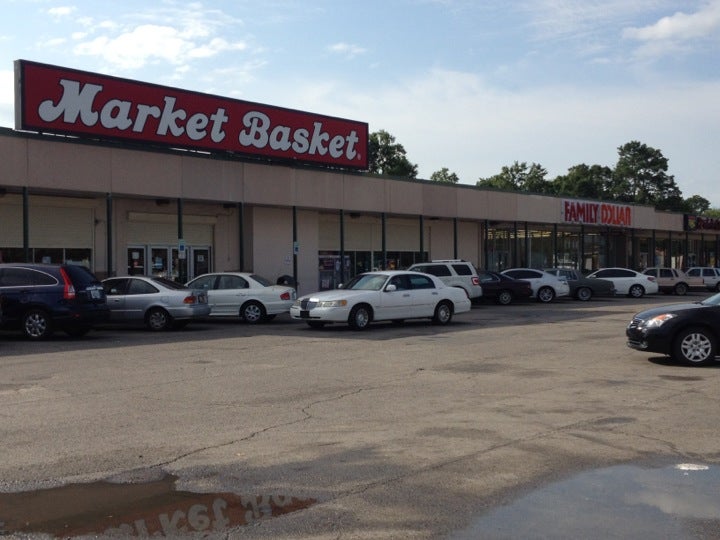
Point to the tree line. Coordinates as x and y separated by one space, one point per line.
639 177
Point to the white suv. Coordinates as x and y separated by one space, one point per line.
454 273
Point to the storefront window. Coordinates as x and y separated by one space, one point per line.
501 246
595 251
568 249
539 250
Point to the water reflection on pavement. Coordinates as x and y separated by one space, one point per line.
679 502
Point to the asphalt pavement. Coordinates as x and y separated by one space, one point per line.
401 431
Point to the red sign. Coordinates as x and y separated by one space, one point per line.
79 103
595 213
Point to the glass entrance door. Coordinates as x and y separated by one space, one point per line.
199 262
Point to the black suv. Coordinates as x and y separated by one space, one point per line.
40 298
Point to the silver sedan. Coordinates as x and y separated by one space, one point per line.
251 297
158 302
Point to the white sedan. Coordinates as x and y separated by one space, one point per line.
628 281
241 294
546 287
382 296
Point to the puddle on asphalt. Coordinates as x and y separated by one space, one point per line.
144 510
681 502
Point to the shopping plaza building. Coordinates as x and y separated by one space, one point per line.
127 177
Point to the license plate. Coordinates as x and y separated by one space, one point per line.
95 294
305 314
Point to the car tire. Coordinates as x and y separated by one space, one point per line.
584 294
545 295
157 319
37 325
695 347
504 298
253 312
636 291
681 289
443 313
360 317
315 324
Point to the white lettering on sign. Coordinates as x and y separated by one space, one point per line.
117 114
260 134
597 213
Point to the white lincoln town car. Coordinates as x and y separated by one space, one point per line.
382 296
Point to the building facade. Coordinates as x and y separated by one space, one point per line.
123 206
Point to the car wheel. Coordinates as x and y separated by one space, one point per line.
681 289
504 298
636 291
315 324
443 313
78 331
695 346
584 294
360 317
252 312
37 325
545 295
158 319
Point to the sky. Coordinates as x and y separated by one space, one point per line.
467 85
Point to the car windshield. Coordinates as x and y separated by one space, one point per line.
714 300
366 282
261 280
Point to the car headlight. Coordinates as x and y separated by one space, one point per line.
659 320
332 303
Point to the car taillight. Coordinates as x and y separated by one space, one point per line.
475 280
651 278
285 296
190 299
68 288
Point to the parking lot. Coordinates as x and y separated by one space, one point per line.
400 431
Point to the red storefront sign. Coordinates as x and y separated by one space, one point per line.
60 100
595 213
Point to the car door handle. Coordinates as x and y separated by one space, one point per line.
406 295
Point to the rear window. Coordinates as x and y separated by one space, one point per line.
81 276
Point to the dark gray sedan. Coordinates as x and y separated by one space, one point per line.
582 288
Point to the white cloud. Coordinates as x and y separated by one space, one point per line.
147 43
62 11
346 49
680 26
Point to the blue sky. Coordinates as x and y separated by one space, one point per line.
467 85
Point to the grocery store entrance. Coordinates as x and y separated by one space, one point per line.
168 261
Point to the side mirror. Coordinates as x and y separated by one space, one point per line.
340 286
391 288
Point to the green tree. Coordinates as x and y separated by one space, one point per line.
519 177
641 177
697 205
583 181
444 176
385 156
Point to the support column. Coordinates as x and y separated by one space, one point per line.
109 234
26 224
342 246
